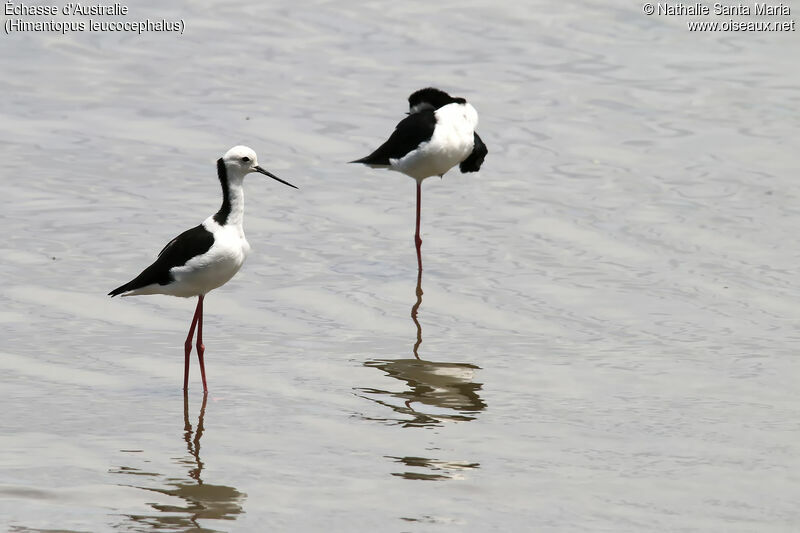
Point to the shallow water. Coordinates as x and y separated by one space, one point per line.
606 325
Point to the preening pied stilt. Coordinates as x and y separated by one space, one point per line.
207 256
438 134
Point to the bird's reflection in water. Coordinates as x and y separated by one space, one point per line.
440 469
436 391
415 309
201 501
433 394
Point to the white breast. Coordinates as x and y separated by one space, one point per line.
452 142
217 266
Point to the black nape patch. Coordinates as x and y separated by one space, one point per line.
475 159
177 252
408 135
221 216
434 97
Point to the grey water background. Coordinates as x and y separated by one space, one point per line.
608 318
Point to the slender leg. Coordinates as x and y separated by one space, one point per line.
188 345
200 347
417 238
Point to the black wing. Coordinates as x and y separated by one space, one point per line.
177 252
474 161
407 136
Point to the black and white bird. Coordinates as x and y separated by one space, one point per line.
207 256
438 134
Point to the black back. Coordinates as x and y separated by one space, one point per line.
475 159
177 252
407 136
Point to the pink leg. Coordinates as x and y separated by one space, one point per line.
188 344
417 238
200 347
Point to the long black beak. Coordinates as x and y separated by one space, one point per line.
257 168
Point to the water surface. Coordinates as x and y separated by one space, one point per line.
603 339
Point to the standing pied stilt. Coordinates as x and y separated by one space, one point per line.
438 134
206 256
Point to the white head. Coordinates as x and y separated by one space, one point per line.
241 160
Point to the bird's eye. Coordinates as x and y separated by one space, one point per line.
246 159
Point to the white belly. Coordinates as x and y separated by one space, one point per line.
214 268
